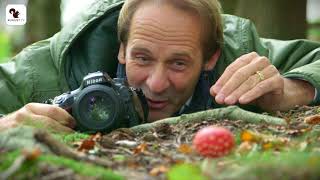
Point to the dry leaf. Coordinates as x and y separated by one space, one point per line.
245 147
96 137
185 149
140 149
267 145
250 136
86 145
266 141
31 154
158 170
312 120
133 164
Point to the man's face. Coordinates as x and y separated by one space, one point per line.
163 57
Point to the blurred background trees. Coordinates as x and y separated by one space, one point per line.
43 19
280 19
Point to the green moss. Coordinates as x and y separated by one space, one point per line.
30 169
70 138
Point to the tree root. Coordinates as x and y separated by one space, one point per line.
231 113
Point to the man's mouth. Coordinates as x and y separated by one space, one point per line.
157 105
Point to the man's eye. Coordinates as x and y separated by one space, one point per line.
141 59
179 65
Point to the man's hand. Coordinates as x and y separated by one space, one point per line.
35 114
253 79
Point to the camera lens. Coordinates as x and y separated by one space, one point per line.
97 108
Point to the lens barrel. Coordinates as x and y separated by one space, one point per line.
97 108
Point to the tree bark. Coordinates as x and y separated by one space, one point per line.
279 19
43 20
228 6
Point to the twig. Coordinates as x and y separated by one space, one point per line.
14 167
61 149
63 174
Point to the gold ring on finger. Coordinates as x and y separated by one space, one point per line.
261 76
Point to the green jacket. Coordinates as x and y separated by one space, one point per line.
89 43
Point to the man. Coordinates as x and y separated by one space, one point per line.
177 51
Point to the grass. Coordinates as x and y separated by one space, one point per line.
259 165
271 165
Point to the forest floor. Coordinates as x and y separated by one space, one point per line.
262 151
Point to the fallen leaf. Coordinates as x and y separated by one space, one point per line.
185 149
86 145
140 149
265 141
133 164
267 145
96 137
250 136
31 154
244 147
312 120
158 170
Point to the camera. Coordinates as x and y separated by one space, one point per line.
102 104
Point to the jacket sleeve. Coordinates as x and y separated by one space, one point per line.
297 59
21 76
15 82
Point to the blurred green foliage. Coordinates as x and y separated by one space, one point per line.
5 47
314 30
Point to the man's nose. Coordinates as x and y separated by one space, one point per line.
158 81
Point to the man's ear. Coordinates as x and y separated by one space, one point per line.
121 54
212 61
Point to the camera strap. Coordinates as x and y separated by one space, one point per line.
121 71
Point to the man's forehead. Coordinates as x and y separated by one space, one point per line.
153 24
166 15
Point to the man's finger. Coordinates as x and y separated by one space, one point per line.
272 84
50 123
243 74
230 70
53 112
250 83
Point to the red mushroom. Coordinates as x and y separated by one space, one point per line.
213 141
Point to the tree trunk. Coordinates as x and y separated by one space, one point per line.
229 6
43 20
279 19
